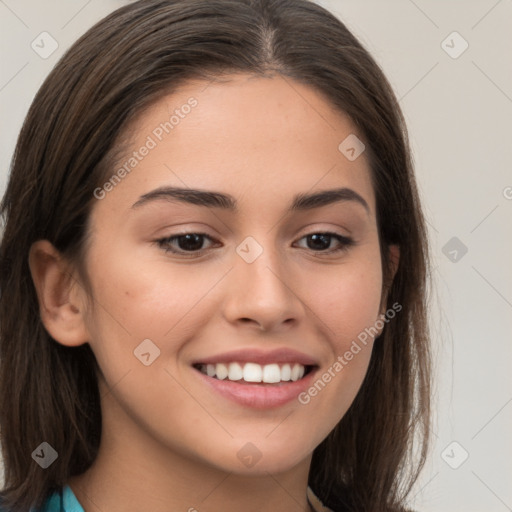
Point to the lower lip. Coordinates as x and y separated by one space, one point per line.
259 396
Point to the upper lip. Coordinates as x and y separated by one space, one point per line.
262 357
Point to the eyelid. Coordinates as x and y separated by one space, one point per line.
317 227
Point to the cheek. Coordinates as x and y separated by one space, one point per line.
137 299
348 305
348 300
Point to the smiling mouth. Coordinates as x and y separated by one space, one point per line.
253 373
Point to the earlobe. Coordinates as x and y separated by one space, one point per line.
60 296
394 258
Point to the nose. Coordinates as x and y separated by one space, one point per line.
262 294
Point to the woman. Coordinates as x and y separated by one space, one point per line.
213 271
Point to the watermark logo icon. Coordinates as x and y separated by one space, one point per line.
249 250
454 250
352 147
44 45
146 352
45 455
249 455
454 45
454 455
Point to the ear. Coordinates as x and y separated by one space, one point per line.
61 298
394 260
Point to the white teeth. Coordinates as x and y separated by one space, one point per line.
271 373
235 372
297 372
221 371
286 372
253 372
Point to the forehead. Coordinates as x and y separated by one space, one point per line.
256 138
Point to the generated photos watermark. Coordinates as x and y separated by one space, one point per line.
342 361
152 140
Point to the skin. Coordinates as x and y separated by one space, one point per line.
168 441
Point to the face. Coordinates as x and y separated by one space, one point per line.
198 296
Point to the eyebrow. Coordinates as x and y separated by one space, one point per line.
210 199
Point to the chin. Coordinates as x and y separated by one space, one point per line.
261 459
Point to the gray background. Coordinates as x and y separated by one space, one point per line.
458 107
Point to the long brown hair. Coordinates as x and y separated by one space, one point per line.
65 150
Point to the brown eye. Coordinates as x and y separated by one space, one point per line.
321 242
184 243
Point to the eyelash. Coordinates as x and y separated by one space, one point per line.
164 243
